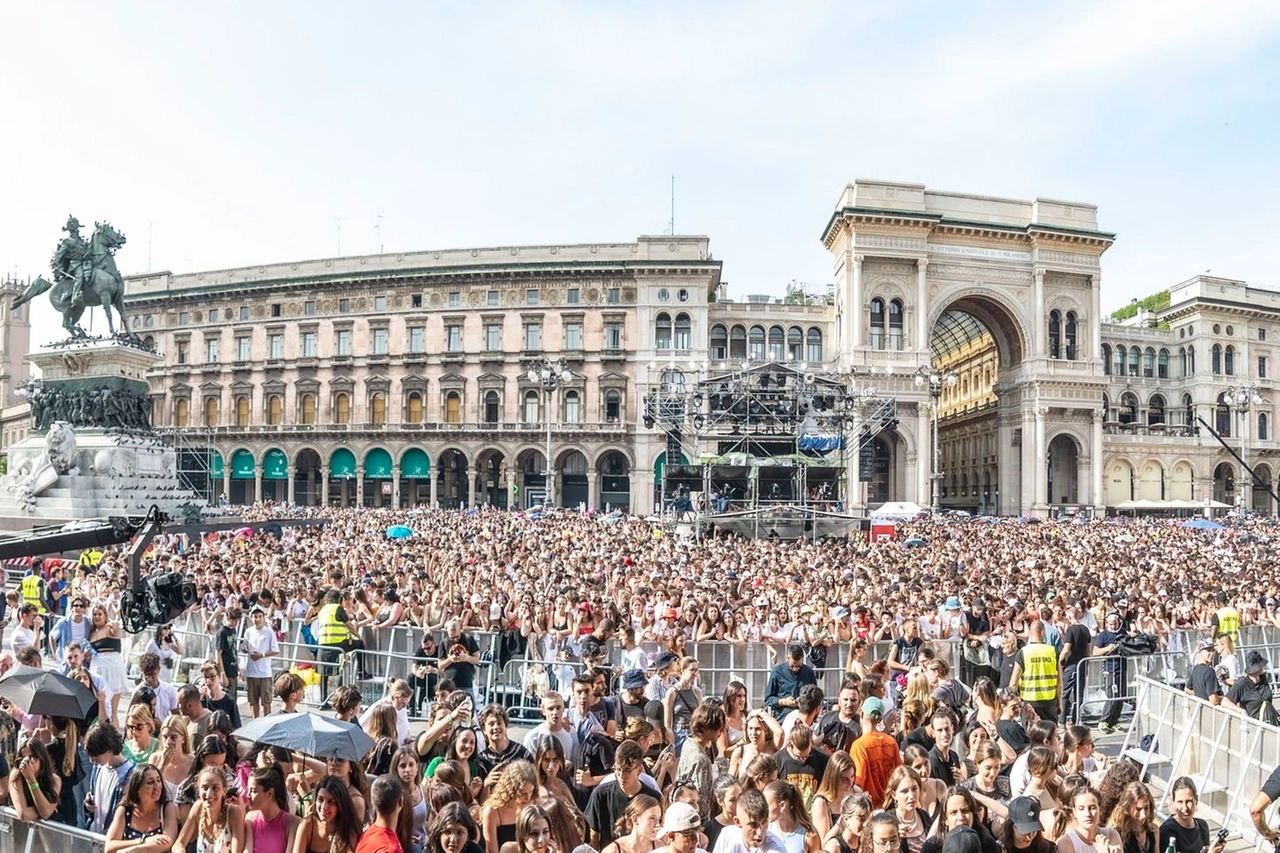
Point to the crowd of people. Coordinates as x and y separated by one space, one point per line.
900 751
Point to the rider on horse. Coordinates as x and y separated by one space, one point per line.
71 260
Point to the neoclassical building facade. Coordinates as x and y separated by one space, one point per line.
402 379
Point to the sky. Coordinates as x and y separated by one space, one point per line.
221 135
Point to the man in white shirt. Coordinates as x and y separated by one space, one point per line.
166 693
556 725
260 645
30 626
750 831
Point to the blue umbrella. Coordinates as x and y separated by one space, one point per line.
914 542
399 531
1204 524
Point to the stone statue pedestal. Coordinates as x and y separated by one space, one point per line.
92 452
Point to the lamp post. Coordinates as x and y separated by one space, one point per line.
937 381
549 375
1240 398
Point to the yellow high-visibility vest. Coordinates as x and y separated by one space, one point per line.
1039 681
1229 623
330 631
31 592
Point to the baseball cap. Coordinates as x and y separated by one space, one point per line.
1254 663
1205 644
680 817
633 678
962 839
873 707
1024 814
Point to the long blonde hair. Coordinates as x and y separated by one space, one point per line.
178 724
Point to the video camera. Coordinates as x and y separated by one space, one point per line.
160 599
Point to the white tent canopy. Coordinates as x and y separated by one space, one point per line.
897 509
1169 505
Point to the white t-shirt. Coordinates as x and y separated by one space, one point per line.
21 638
260 640
635 659
730 841
403 733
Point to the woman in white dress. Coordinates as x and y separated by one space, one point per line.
108 662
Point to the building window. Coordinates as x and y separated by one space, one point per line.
1135 356
1106 359
614 296
814 352
455 299
308 409
379 303
211 350
378 409
755 350
1262 367
213 315
183 317
415 300
453 338
1188 410
308 344
574 296
417 339
1120 356
738 342
380 337
309 308
613 336
1191 361
1262 334
413 408
1155 410
777 343
242 411
876 319
493 298
493 337
897 340
719 342
1162 364
1263 427
1128 409
344 342
1055 334
531 407
1222 419
342 409
1069 336
1229 361
182 352
275 410
662 331
612 407
453 408
684 333
1148 363
795 343
533 337
242 349
211 412
275 346
531 297
244 312
180 412
275 309
572 407
573 336
344 306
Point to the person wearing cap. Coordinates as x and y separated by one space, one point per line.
1203 682
1036 675
681 827
1252 694
1024 830
661 681
631 699
840 727
786 679
875 754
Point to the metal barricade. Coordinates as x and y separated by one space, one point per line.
1116 676
18 836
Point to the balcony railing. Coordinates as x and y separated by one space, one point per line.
1154 430
512 428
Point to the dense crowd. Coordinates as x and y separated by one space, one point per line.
632 755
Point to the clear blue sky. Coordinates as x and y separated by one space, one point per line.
241 133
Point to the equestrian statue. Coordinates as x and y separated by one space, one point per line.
84 275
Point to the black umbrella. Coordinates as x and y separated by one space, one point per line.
43 692
311 734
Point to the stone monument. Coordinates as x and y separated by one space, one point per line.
92 452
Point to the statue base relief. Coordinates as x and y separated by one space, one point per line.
91 453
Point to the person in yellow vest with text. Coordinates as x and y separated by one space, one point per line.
1226 620
33 590
335 633
1036 675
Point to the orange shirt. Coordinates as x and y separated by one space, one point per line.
875 756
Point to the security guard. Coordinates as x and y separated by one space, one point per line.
1036 675
1226 620
335 634
34 590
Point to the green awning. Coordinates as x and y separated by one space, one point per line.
275 465
342 463
662 462
377 464
215 465
242 465
415 463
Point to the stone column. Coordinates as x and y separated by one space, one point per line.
291 472
311 487
509 479
853 496
922 306
642 491
1006 473
1042 498
360 484
1099 497
435 484
1095 318
257 484
924 454
480 495
855 318
1026 494
226 479
324 485
592 500
1039 319
395 486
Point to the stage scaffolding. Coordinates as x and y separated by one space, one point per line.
771 446
195 453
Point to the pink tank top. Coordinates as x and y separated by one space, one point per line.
268 835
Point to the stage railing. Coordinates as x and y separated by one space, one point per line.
45 836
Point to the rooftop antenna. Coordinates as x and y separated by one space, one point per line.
378 227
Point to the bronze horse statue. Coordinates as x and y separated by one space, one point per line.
102 284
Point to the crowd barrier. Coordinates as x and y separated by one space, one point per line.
18 836
1228 754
